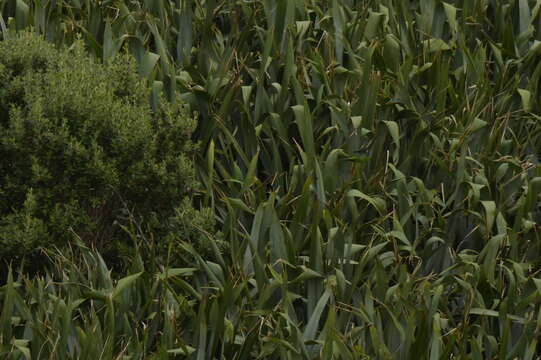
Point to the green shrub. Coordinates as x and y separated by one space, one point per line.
81 149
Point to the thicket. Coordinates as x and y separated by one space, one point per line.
373 165
83 154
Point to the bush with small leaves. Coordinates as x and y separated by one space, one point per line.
81 148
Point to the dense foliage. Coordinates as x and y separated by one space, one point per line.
83 153
374 167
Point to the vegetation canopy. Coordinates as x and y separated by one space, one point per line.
373 168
